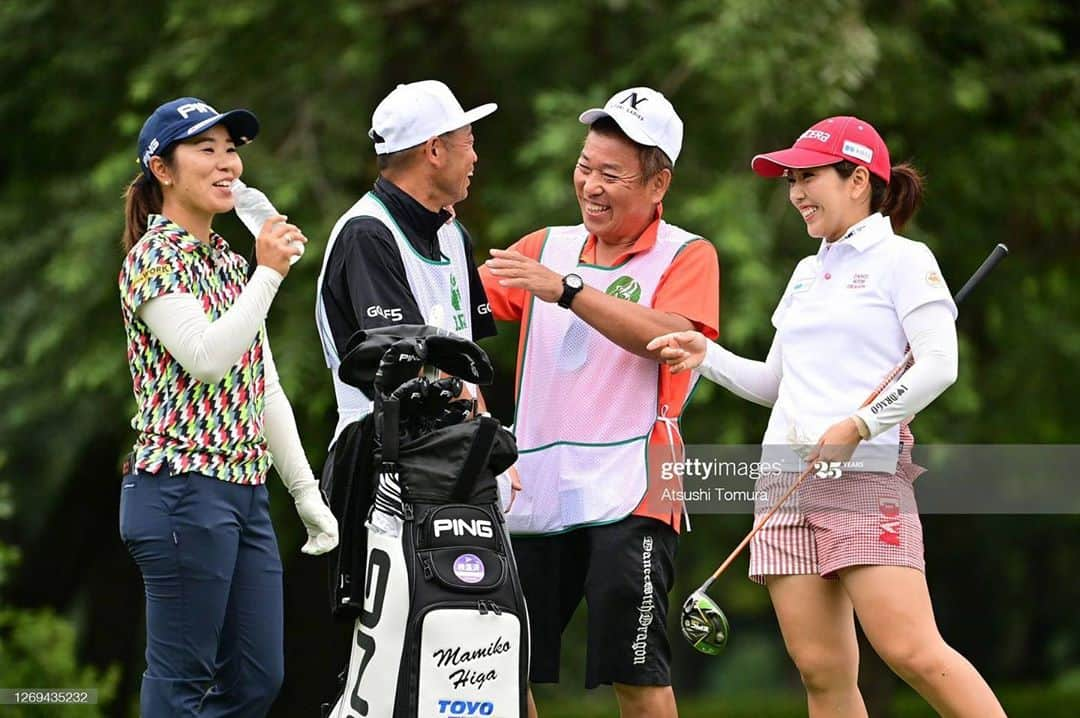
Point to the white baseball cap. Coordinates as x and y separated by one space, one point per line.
416 112
645 116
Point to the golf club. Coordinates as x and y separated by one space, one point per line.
703 624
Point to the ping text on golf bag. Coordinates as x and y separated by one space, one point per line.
442 628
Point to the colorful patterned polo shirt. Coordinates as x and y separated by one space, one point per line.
213 429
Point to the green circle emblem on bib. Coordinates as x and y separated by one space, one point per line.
625 287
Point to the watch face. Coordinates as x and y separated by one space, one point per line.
573 281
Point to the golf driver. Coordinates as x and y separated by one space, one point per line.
703 624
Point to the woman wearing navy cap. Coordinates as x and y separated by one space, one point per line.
851 546
211 417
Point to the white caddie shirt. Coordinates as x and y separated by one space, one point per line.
839 329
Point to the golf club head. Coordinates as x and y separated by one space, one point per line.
703 624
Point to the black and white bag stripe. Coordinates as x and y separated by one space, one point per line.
443 629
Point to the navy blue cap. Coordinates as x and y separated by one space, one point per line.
186 117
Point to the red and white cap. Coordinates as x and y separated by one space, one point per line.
833 140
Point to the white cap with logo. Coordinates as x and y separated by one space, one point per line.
646 117
418 111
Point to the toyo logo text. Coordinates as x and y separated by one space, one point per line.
449 707
625 287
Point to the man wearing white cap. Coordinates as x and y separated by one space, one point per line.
595 409
399 256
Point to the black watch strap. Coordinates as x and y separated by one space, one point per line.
572 284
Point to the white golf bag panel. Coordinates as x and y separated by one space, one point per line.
461 668
376 645
444 629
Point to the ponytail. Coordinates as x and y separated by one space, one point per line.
901 197
142 199
897 200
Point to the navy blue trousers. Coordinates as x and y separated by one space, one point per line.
212 573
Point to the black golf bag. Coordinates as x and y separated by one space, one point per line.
441 627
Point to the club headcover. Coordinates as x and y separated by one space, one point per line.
400 363
456 412
412 396
452 354
459 357
440 394
366 347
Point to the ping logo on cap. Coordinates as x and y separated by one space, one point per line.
859 152
200 107
815 135
150 150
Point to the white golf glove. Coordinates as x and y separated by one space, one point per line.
800 442
322 527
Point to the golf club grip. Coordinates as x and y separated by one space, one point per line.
996 255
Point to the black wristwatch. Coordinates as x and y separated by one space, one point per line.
571 284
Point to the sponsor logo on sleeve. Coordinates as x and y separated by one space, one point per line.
934 280
890 399
150 273
392 314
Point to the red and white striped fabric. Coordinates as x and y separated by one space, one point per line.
859 519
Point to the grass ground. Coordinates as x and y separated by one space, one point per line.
1019 702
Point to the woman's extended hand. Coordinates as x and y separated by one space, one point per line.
680 350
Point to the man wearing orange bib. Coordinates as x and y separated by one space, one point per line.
594 408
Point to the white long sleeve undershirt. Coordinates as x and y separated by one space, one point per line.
931 332
208 350
748 379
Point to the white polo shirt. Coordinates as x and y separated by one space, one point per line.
839 329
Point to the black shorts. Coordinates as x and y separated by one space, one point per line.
624 570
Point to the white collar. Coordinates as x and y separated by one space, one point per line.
863 234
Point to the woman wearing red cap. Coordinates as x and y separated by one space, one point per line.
211 417
849 546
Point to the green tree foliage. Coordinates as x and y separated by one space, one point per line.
983 96
37 648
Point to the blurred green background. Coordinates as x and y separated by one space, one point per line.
982 95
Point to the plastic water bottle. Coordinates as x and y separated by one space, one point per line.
253 208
